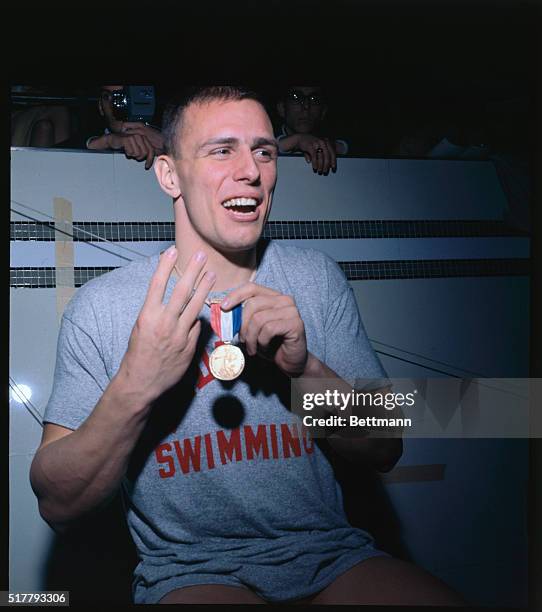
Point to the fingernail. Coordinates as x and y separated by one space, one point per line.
200 256
225 303
211 276
172 251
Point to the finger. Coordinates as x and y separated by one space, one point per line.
288 317
194 332
131 126
195 304
288 322
131 147
322 156
326 159
243 293
134 132
187 340
333 153
314 156
147 153
150 156
251 329
330 155
141 147
183 289
258 304
317 157
159 280
307 158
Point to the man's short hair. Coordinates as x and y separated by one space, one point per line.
176 107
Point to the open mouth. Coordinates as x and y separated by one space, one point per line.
242 206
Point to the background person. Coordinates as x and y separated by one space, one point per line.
39 125
303 109
137 139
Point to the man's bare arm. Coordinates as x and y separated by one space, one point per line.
381 453
76 473
268 314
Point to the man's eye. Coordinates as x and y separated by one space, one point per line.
265 154
221 152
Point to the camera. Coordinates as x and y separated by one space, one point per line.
134 103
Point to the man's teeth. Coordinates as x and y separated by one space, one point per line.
240 202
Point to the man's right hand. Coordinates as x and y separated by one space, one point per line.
318 151
164 337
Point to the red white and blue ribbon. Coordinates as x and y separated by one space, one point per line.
226 324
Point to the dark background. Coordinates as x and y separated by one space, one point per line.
388 68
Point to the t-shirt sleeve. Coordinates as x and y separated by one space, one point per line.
80 377
348 350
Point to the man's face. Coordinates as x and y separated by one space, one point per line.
303 109
227 153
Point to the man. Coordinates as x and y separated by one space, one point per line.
224 502
137 139
303 109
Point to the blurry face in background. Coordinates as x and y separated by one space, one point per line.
302 109
106 108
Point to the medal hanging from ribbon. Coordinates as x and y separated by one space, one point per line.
227 360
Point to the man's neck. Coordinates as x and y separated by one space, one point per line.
231 270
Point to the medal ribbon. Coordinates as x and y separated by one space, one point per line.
226 324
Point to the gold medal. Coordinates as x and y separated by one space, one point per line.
226 362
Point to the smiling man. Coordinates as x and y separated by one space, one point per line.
172 382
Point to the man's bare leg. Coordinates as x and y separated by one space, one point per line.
384 580
211 594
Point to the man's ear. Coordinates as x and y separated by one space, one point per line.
166 173
280 109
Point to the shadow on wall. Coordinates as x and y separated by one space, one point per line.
96 560
367 504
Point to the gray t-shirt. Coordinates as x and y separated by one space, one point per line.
219 488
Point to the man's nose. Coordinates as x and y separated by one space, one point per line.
247 169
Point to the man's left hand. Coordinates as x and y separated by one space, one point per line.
153 136
271 326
